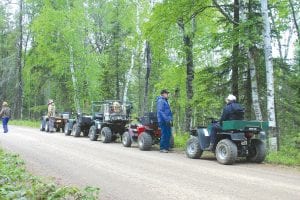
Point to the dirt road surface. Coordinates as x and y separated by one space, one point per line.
128 173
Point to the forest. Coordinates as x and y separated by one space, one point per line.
78 51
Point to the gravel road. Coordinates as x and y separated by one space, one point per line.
128 173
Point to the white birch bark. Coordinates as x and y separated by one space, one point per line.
74 80
254 88
269 64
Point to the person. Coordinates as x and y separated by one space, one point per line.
164 116
51 114
5 114
232 111
116 107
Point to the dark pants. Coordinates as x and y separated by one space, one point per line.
51 124
214 130
165 135
4 123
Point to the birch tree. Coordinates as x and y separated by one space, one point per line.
269 68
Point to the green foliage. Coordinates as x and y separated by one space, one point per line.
180 140
17 183
29 123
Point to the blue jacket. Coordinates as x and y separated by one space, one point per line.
232 111
163 109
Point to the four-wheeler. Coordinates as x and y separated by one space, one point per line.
81 124
110 119
59 122
146 134
238 138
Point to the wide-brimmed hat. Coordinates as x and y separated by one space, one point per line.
4 103
164 91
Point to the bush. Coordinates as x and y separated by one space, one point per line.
180 140
16 183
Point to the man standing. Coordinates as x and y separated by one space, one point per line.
5 114
164 116
51 115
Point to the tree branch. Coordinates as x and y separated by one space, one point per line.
227 16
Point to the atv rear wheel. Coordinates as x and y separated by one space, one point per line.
93 133
145 141
257 151
226 152
192 149
76 130
126 139
47 126
66 129
106 135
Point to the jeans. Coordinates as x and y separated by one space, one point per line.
213 133
165 135
4 123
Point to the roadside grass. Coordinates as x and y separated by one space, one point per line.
180 140
28 123
17 183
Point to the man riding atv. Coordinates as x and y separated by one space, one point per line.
232 111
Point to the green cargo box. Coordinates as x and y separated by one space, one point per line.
242 124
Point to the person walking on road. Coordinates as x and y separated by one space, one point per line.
51 115
5 114
164 116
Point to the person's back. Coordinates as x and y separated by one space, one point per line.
232 111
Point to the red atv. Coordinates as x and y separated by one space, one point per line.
146 134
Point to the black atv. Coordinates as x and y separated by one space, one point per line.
81 124
109 120
238 138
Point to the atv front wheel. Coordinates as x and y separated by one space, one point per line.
93 133
172 141
106 135
145 141
76 130
192 149
66 129
257 151
126 139
226 152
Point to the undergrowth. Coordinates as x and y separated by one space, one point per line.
17 183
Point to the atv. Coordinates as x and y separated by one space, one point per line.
59 122
81 124
109 120
145 134
238 138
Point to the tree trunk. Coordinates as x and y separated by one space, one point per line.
235 52
19 97
188 49
74 80
295 19
148 70
269 71
254 88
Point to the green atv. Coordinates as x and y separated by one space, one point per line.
238 138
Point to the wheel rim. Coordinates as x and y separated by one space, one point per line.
191 148
141 141
124 139
222 151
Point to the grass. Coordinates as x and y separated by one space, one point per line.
17 183
28 123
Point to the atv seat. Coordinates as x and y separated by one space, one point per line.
98 115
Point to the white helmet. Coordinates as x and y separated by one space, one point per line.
231 98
